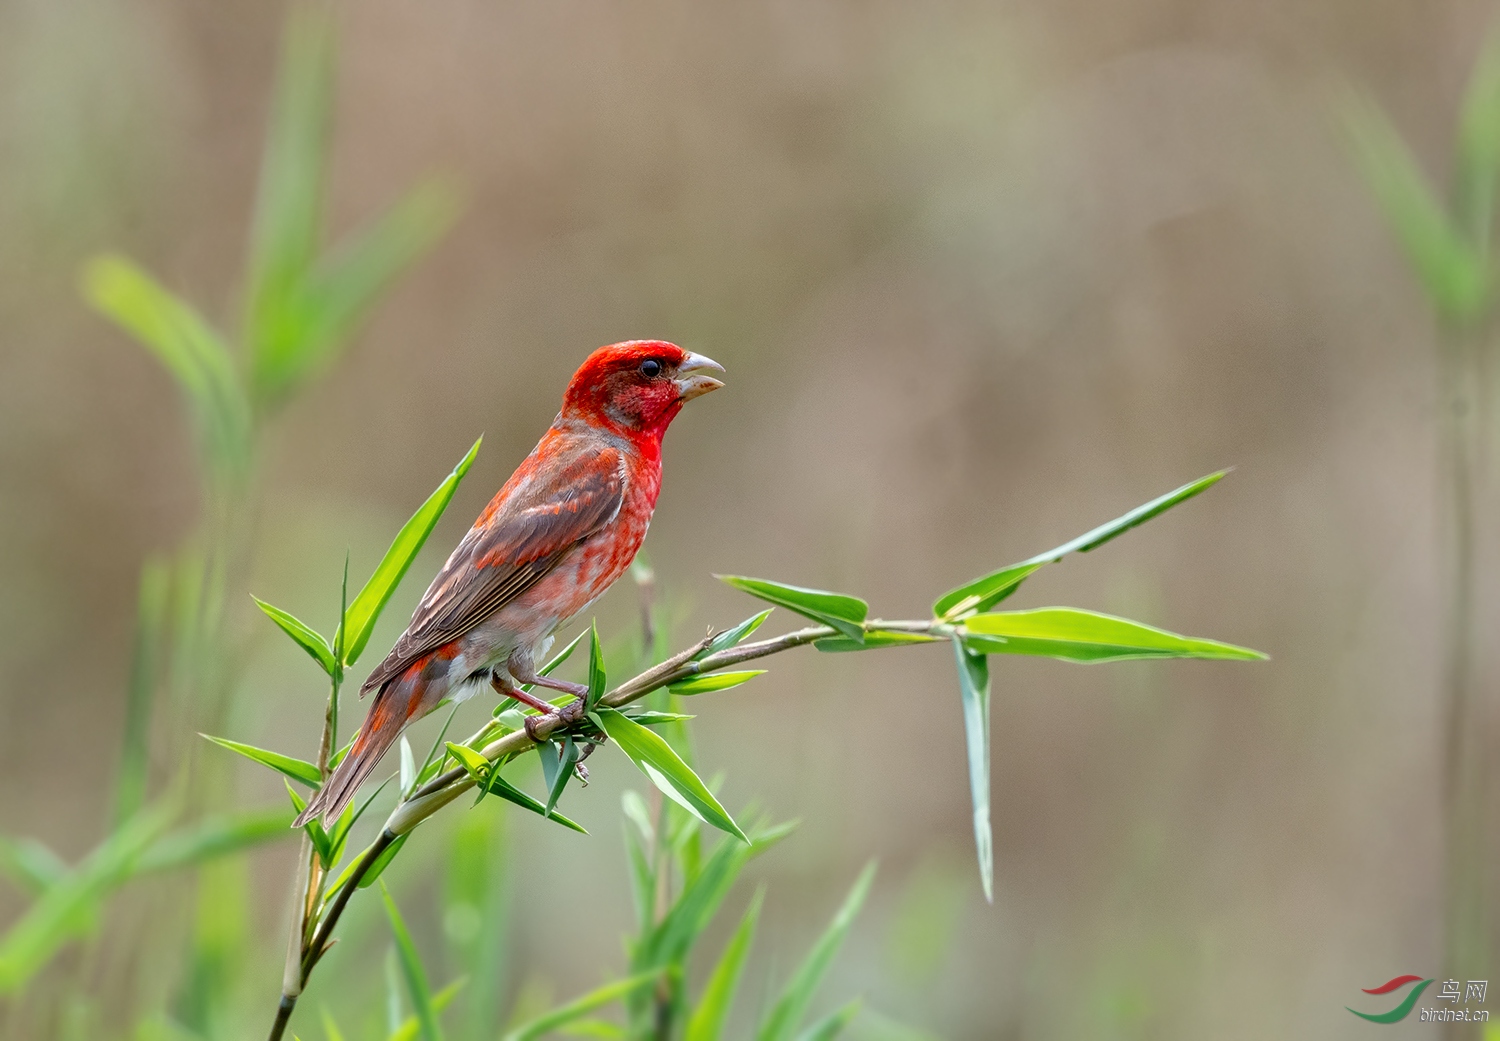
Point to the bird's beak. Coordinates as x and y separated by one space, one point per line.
689 386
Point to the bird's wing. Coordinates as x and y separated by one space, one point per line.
542 512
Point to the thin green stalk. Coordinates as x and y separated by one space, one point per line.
1466 779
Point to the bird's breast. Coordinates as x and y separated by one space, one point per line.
589 568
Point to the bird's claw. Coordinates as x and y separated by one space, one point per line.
566 716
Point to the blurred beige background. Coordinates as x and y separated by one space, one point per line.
983 276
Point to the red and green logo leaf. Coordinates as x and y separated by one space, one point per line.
1402 1010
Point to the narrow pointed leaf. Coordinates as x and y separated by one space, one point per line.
305 637
316 833
597 678
833 1024
567 759
498 785
70 906
982 593
182 341
146 665
792 1005
871 641
381 862
339 291
1477 165
32 866
478 766
740 633
561 656
288 207
1455 276
410 1029
366 608
434 762
974 694
347 820
844 613
215 836
1087 636
417 987
714 681
667 771
297 769
673 938
408 767
580 1007
707 1022
987 591
655 719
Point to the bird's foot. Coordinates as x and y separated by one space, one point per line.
510 690
564 716
578 767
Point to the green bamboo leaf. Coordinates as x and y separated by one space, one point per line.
331 1031
498 785
707 1022
791 1006
833 1024
1455 276
597 677
411 968
580 1007
32 866
408 768
672 940
638 845
476 765
305 636
410 1029
147 657
296 769
1087 636
561 656
567 759
434 762
734 637
667 771
288 207
349 818
215 836
1477 163
653 719
316 833
366 608
340 290
982 593
70 906
844 613
878 638
183 342
597 1028
988 590
386 856
714 681
974 694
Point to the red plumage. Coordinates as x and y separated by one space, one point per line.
566 524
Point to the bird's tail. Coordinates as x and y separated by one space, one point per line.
382 726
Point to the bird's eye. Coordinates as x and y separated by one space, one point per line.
651 368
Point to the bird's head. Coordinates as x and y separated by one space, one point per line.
638 386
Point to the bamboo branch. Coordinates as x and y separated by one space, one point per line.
448 786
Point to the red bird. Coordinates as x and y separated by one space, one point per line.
551 541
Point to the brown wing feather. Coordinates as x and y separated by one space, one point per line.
525 532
